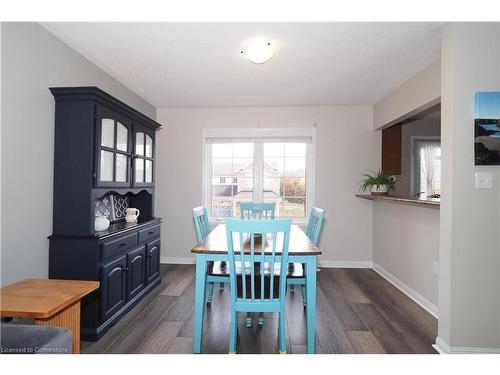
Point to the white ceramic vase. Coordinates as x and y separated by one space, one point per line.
101 223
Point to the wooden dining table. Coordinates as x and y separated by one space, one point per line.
214 248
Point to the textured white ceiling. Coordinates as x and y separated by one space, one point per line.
200 65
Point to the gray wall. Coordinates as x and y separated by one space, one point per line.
346 146
420 91
405 246
32 61
469 284
423 127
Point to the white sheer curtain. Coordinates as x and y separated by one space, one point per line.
428 152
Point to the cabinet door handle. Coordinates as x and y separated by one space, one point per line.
123 244
151 233
124 269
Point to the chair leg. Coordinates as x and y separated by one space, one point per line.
281 333
261 319
292 288
233 332
210 293
221 287
248 322
304 299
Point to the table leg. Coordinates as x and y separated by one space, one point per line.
311 302
68 318
199 305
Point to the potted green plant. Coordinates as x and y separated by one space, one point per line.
378 183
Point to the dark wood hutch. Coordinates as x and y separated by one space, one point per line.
103 163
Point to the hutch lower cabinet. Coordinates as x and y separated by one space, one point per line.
104 163
127 264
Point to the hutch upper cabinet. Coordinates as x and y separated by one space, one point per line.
103 164
124 151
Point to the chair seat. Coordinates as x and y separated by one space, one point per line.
219 268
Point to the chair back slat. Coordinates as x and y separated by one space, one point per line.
201 224
251 210
314 224
258 234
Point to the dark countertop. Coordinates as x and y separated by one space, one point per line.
429 202
123 226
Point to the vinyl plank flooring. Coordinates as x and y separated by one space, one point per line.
178 281
364 342
339 304
358 311
299 349
347 286
160 339
181 345
329 329
382 329
141 328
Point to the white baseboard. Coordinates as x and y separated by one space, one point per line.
344 264
418 298
178 260
443 348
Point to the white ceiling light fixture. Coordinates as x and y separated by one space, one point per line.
258 50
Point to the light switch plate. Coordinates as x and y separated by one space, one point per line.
484 180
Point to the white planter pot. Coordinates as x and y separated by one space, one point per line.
379 190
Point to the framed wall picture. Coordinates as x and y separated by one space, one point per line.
487 128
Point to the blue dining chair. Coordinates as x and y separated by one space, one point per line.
251 210
263 211
313 231
261 284
202 227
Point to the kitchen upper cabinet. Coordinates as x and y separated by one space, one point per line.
143 164
391 150
113 149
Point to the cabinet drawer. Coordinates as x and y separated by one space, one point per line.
118 245
148 234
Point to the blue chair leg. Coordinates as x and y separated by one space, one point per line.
221 287
281 333
304 297
248 321
233 332
261 319
292 288
210 293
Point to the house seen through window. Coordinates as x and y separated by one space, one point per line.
258 171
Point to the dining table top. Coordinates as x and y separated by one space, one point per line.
216 243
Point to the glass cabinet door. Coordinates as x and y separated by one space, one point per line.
113 151
143 158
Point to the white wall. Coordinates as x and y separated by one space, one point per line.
405 245
469 286
32 61
346 147
418 93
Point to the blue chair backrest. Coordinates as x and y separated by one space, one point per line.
201 223
314 225
251 210
256 259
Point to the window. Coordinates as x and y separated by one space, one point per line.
426 167
259 165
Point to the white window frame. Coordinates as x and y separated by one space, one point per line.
270 133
